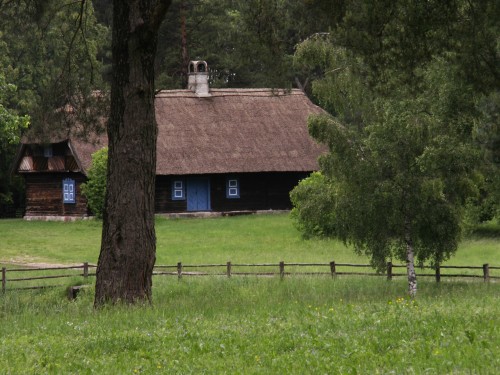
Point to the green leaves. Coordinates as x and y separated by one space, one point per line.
95 188
338 84
402 161
11 124
314 202
50 54
399 168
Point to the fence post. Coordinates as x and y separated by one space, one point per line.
179 270
332 269
228 271
4 278
85 270
389 270
486 272
438 274
282 270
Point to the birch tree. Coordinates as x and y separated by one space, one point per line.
403 107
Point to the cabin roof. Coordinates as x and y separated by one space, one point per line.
233 130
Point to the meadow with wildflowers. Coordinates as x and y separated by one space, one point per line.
258 326
247 325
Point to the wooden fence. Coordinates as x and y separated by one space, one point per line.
229 269
43 273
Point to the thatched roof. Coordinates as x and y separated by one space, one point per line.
84 148
81 145
234 130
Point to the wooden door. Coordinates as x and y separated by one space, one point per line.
198 194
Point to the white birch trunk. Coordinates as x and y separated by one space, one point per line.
410 263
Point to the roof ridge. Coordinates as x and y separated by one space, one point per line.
230 92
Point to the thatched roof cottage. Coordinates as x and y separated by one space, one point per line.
217 150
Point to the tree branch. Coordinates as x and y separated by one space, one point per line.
158 14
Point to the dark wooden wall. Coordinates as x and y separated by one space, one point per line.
163 196
258 191
44 195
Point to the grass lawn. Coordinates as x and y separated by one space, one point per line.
247 325
258 326
244 239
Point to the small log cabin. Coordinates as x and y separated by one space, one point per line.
217 150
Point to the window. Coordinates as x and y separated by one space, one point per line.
47 151
232 188
178 192
69 190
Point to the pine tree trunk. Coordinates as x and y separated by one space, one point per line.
184 46
128 246
410 262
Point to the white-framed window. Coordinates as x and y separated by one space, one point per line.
178 190
69 191
232 188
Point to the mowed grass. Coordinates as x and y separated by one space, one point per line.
258 326
244 239
256 238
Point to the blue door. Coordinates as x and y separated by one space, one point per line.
198 194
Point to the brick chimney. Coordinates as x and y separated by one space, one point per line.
198 78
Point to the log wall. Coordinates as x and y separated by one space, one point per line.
163 196
44 195
258 191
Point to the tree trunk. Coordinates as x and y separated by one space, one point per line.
128 247
410 263
184 46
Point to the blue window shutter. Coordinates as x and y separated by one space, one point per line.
232 188
69 191
178 190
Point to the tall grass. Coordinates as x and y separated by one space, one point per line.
258 326
246 325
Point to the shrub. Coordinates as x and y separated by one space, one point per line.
95 188
313 206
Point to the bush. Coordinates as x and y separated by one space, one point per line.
313 206
95 188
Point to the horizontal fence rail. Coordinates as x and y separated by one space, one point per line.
230 269
43 273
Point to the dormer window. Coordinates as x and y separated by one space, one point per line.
47 151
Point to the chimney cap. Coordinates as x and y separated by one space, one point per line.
197 66
198 78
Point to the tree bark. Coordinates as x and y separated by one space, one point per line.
410 262
184 46
128 247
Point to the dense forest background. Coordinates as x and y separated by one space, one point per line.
346 55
